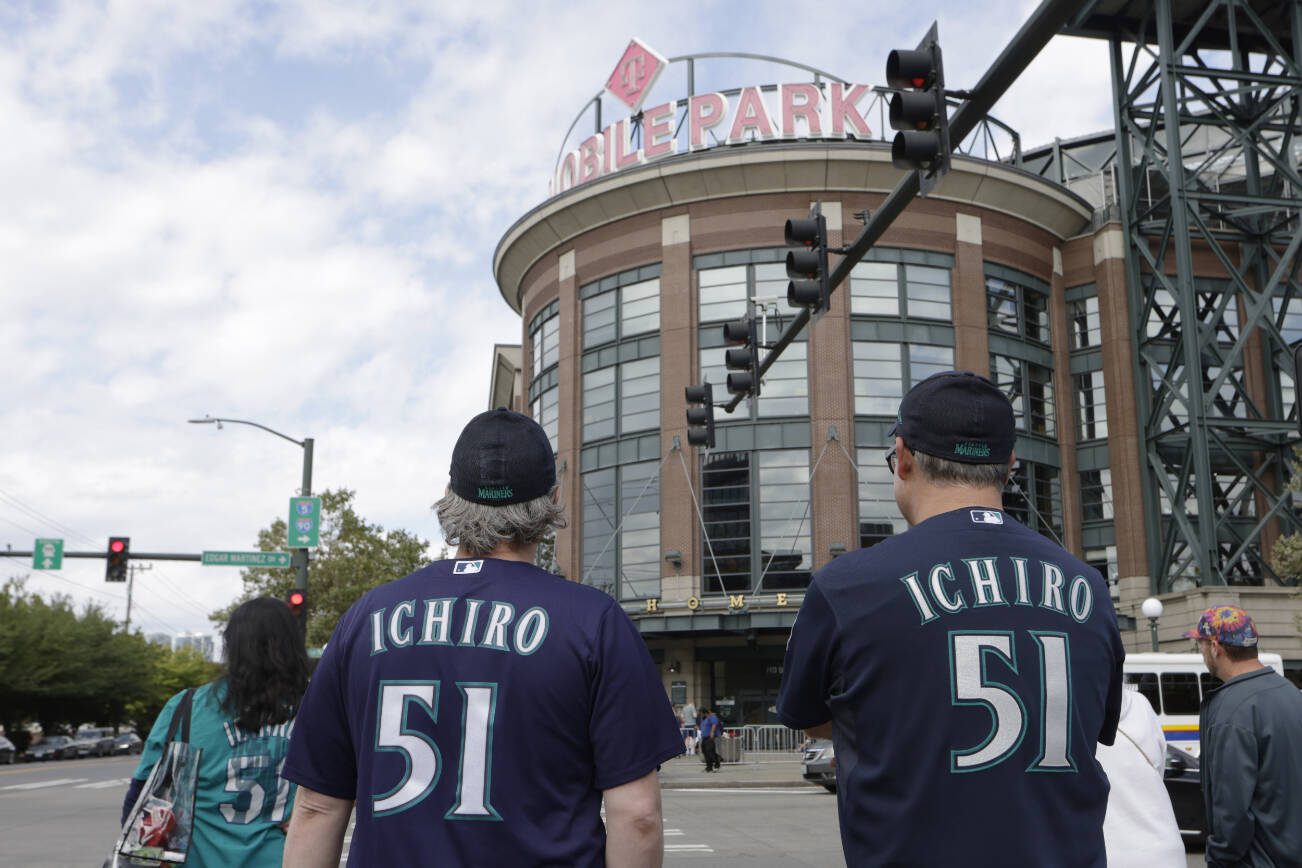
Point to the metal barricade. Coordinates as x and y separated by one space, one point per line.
759 743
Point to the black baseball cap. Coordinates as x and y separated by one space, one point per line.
958 416
502 457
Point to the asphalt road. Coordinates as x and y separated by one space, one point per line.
65 814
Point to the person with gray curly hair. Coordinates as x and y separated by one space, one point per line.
484 688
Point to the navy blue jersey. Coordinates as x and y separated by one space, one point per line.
968 666
475 710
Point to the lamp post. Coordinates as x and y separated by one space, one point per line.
1152 609
300 554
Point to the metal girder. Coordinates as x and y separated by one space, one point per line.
1208 110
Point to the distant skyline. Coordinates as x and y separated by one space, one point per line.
287 212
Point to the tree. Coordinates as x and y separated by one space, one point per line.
172 672
1286 555
354 556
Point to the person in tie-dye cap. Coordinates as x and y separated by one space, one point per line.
1251 729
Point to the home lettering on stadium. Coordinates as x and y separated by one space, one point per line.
995 581
478 624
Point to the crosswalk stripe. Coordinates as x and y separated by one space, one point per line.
100 785
40 785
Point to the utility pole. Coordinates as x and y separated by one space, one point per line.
132 569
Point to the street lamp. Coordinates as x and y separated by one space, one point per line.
1152 609
300 554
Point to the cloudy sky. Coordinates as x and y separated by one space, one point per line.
286 212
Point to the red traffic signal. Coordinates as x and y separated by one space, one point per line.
117 559
297 601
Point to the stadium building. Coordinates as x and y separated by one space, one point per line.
1054 271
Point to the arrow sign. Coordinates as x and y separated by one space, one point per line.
304 526
245 559
47 554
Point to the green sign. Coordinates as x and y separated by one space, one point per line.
246 559
47 554
304 522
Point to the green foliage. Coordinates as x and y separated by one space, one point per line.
1286 556
354 557
61 667
173 672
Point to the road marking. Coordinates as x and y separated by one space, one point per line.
40 785
766 791
688 848
101 785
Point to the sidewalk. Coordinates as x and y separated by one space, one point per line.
761 769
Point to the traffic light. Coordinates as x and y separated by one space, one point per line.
297 602
919 110
743 362
809 286
700 420
115 561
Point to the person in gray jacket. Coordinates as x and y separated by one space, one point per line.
1251 728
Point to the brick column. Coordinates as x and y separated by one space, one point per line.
569 556
678 352
1125 437
968 297
1069 474
834 495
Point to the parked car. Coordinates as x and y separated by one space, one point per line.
127 743
1183 780
52 747
93 742
818 763
7 751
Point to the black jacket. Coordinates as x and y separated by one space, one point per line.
1251 761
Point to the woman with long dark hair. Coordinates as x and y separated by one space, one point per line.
241 723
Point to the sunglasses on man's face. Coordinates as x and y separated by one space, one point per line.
890 459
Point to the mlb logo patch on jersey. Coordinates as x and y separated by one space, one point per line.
463 567
987 516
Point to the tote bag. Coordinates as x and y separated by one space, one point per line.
157 831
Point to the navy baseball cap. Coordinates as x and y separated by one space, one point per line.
502 457
959 416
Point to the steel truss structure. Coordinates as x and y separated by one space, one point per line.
1207 95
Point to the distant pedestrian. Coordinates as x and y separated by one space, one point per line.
241 724
964 669
1140 830
1251 758
711 729
481 710
689 728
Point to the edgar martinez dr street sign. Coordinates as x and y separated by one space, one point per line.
246 559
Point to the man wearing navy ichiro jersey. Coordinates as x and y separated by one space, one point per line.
964 669
479 711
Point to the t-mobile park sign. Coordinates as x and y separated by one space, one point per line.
752 114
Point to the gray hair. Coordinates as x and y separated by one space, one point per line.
479 528
944 472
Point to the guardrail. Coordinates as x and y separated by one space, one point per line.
760 743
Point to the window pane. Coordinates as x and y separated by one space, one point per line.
874 289
551 333
599 404
599 319
925 360
1040 395
639 558
640 395
640 308
879 517
1001 306
927 292
784 518
1179 692
1007 375
599 522
1091 406
1147 682
878 374
1083 319
725 506
544 411
785 390
722 293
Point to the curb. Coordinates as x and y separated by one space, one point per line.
733 784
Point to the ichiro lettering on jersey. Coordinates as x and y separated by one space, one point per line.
475 710
969 667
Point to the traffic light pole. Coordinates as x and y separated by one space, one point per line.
300 555
1039 28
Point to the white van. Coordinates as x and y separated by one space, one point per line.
1175 684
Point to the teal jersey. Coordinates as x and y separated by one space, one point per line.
241 800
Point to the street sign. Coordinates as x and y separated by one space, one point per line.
304 522
47 554
246 559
